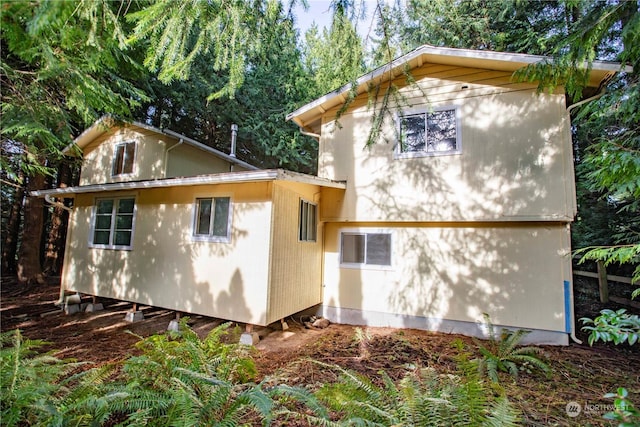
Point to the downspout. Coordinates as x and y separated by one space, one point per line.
166 155
55 203
311 134
568 287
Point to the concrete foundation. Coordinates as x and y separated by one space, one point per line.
174 326
134 316
94 307
371 318
71 308
249 338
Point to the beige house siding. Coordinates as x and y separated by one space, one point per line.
515 161
515 273
295 281
98 156
185 160
166 267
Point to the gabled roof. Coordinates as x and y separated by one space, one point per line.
309 114
106 123
218 178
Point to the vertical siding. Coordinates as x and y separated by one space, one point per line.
185 160
295 267
167 268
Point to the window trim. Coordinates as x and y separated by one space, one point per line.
194 219
365 231
398 154
115 156
94 212
314 238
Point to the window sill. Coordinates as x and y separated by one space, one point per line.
420 154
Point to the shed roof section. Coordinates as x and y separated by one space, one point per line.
309 115
220 178
106 123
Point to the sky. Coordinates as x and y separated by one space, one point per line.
319 13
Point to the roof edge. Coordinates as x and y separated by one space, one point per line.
220 178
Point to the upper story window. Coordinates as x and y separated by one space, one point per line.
361 249
113 223
429 133
212 219
308 223
123 158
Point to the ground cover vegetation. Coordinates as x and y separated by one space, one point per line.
198 67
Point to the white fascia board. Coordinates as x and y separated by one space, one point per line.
221 178
502 57
104 121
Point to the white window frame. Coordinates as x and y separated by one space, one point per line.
125 158
398 154
194 219
365 231
303 223
114 210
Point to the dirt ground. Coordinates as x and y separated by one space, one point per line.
580 373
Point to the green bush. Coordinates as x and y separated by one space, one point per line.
504 354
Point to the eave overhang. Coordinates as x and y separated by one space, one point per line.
106 123
308 116
212 179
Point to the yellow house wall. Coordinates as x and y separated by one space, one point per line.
185 160
98 156
295 266
515 162
457 272
166 268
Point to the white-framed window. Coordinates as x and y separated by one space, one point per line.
307 224
113 223
360 249
212 219
429 133
123 158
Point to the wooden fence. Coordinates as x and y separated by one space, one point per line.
603 284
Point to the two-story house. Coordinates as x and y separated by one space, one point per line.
463 209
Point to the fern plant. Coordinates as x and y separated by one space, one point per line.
423 397
180 379
503 353
30 381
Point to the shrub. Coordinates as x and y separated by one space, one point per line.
504 354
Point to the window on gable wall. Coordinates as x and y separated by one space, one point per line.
212 220
308 223
362 249
113 223
429 133
123 158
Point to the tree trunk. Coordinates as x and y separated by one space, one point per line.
29 269
54 247
10 244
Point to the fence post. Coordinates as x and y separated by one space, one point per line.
602 282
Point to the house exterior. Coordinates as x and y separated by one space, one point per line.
161 220
465 205
464 209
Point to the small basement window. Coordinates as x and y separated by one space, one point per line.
307 228
212 219
362 249
429 133
123 158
